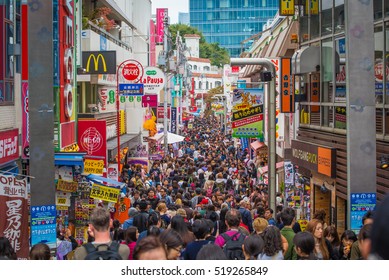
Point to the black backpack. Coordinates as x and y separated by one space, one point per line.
141 221
111 252
233 246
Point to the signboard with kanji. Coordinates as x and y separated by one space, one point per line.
104 193
94 166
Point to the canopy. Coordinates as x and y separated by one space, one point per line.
171 138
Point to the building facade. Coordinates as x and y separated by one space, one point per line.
229 22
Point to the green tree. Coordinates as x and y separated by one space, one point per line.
212 51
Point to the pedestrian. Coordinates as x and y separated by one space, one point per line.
7 252
98 228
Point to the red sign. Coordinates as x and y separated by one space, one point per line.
235 69
9 146
160 111
192 109
150 100
92 138
132 71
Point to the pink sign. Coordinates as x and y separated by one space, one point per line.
150 100
152 58
25 125
161 14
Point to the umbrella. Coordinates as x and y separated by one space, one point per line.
171 138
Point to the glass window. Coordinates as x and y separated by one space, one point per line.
304 35
377 4
326 17
9 63
314 26
339 18
386 3
379 68
340 88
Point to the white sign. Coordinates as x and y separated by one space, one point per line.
153 80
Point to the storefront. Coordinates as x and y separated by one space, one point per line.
315 181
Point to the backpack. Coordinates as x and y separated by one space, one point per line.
233 246
111 253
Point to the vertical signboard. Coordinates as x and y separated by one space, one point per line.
14 213
152 39
161 14
287 91
64 65
360 204
173 120
25 125
9 146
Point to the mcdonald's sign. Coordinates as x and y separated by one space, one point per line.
103 62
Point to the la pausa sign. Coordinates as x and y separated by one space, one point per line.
153 80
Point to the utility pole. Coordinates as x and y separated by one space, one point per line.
165 95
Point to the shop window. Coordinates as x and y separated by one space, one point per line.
377 6
340 77
304 35
386 4
314 24
326 17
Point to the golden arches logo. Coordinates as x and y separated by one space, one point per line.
96 62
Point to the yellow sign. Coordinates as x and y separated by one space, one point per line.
104 193
94 166
96 62
60 207
286 8
312 7
67 186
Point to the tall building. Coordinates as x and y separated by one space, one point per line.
183 18
229 22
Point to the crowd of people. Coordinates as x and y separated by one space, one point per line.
207 200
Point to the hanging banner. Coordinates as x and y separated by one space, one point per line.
173 122
247 113
14 213
287 91
104 193
162 13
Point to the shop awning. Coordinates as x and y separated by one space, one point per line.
171 138
10 168
103 180
69 159
307 60
126 140
279 165
257 145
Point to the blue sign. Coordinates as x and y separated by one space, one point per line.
131 89
360 204
241 84
43 225
342 46
103 43
173 123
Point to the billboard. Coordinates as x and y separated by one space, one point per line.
101 62
92 138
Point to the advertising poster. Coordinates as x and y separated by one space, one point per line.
360 204
92 138
247 113
173 123
43 225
